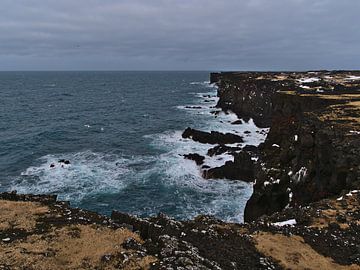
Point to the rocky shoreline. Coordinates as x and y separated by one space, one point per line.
39 232
304 212
310 152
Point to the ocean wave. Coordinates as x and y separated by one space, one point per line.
224 199
87 173
206 84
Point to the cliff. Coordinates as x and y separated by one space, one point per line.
311 151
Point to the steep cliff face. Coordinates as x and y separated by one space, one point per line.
310 152
249 95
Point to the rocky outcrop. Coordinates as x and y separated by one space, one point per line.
249 95
309 153
212 137
199 160
242 168
39 232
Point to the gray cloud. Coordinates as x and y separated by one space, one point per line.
179 34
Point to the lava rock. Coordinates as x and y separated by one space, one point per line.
196 157
213 137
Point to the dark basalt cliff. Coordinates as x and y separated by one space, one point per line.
249 95
311 151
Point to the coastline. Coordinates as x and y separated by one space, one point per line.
294 220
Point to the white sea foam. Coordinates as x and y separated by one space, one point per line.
182 173
88 172
204 84
92 173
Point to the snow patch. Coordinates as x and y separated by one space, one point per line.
290 222
309 80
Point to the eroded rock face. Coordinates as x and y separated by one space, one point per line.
199 160
242 168
212 137
309 153
249 95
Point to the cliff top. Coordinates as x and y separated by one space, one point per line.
38 232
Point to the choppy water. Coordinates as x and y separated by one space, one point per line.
122 133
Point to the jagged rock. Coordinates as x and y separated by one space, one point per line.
221 149
65 161
311 130
213 137
196 157
242 168
237 122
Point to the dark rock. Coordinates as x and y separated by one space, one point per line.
221 149
213 137
250 148
241 169
65 161
237 122
307 141
131 243
196 157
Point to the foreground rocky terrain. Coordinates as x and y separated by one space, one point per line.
38 232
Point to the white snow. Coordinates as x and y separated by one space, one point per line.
348 194
290 196
290 222
275 145
300 175
352 192
296 137
309 80
352 78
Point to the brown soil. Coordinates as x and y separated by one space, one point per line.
28 243
293 253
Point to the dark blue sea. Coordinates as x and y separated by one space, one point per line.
121 131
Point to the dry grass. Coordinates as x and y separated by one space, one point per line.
65 247
293 253
20 215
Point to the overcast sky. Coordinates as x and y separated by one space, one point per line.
179 34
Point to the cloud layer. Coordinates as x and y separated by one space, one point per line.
179 34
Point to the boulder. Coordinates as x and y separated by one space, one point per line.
196 157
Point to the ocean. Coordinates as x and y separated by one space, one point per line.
121 132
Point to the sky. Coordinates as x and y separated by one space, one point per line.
179 34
